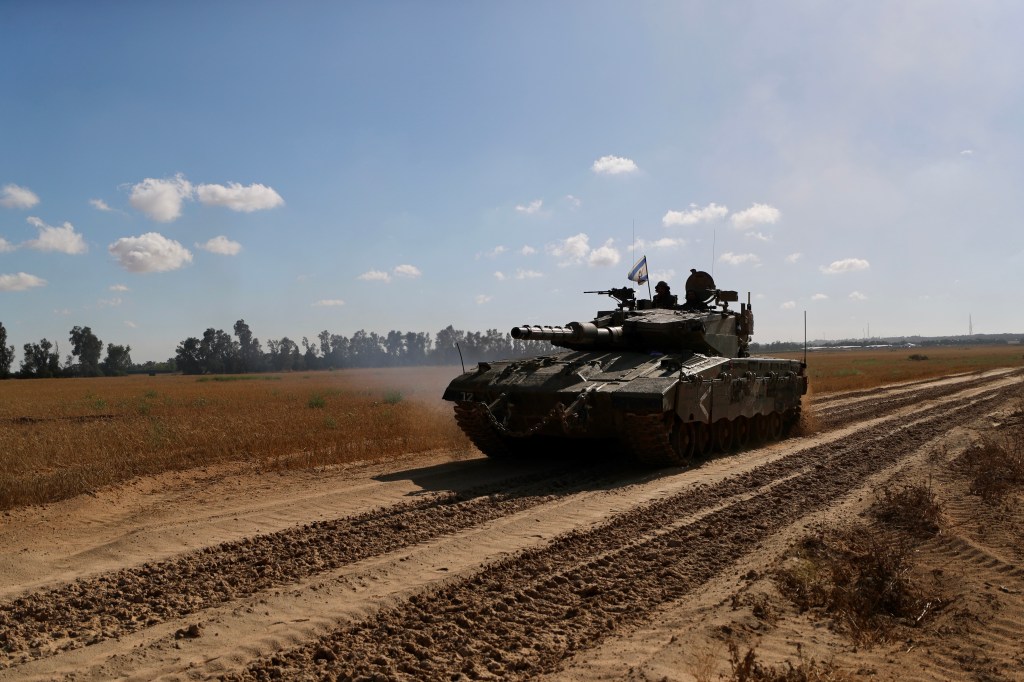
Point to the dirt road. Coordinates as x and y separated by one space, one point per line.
451 566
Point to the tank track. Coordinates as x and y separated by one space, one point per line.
478 428
649 440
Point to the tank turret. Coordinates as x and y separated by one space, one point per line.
704 324
669 381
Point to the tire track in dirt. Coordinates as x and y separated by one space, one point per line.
867 408
524 615
985 642
109 605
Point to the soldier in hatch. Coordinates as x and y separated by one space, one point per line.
664 298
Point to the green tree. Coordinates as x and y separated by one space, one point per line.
187 357
118 360
87 348
6 354
250 352
39 361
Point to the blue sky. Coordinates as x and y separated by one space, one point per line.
168 167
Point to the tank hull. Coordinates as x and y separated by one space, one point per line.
664 408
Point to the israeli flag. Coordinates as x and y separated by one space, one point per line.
639 272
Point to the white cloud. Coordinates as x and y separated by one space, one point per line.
13 196
694 215
493 253
20 282
738 258
759 236
758 214
119 287
614 165
819 297
528 274
572 250
845 265
255 197
967 152
410 271
788 305
482 298
62 311
130 324
221 245
161 199
150 252
63 239
375 276
328 303
500 276
663 243
530 208
857 296
793 257
665 275
574 202
527 250
100 205
109 302
604 256
6 246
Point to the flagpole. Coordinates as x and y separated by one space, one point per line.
649 294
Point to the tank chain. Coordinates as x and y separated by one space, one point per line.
473 422
559 412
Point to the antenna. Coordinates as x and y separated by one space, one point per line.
970 325
714 244
805 336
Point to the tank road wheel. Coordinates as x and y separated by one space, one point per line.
775 426
701 439
722 433
741 429
682 440
758 429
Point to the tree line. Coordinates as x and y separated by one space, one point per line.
218 352
42 360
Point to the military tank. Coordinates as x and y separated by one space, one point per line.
669 381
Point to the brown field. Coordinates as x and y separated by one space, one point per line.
849 370
63 437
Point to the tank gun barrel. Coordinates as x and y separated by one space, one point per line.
574 333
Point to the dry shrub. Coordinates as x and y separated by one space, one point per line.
911 508
996 465
746 668
860 576
704 661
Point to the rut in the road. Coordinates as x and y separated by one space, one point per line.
112 604
124 601
876 403
523 616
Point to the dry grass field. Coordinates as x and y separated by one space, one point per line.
850 370
63 437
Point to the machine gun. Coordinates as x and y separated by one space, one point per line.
626 296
